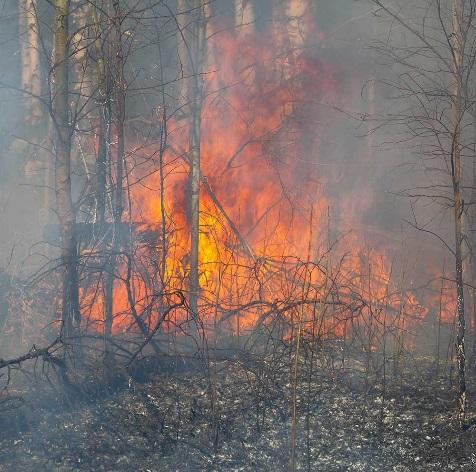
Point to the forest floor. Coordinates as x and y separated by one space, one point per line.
168 424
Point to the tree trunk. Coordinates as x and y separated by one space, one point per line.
183 56
297 23
472 261
30 58
81 82
104 105
196 47
458 25
291 25
118 206
244 14
70 309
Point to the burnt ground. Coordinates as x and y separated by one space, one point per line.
166 423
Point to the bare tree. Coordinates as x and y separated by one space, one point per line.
66 213
434 56
118 204
196 39
457 46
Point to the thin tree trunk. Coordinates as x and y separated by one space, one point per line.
49 174
30 58
49 197
118 205
458 24
197 54
102 72
472 229
183 56
81 82
70 309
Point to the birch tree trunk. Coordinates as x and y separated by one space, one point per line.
244 15
197 55
30 58
60 107
81 81
297 22
183 55
291 25
245 27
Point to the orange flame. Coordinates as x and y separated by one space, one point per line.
260 141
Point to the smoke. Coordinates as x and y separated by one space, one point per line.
304 197
284 132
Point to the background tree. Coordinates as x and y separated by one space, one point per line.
30 57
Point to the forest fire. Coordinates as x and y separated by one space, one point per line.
238 235
264 217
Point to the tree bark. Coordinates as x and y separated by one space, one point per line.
118 206
457 37
66 216
194 148
30 58
297 22
244 14
104 105
472 261
196 47
183 55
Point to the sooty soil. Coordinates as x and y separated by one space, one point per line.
239 419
